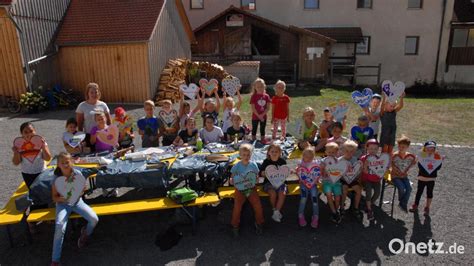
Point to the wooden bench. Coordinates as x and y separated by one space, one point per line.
134 206
9 214
228 192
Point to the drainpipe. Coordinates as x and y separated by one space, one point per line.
439 41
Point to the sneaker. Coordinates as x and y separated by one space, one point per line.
334 218
302 220
342 211
235 232
81 242
258 229
414 208
55 263
358 214
315 221
403 208
338 218
276 216
370 215
427 211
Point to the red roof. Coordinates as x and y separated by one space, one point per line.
109 21
5 2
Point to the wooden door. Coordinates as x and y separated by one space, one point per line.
237 42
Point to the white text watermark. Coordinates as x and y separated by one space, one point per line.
398 246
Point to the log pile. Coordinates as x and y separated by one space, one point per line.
212 71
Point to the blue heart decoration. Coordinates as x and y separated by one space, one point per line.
245 181
362 98
361 135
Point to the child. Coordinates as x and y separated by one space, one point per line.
236 130
30 170
229 108
325 128
185 110
168 131
148 126
210 133
71 132
309 128
277 195
64 209
101 146
426 179
308 163
371 181
349 149
333 190
260 103
400 179
280 109
388 117
187 136
239 171
210 107
337 136
125 125
373 112
362 132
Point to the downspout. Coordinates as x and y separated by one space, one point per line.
439 41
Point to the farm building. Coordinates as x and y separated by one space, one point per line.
285 52
121 45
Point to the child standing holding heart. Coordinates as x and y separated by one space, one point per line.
64 208
280 109
209 107
373 113
169 123
277 194
229 108
402 161
260 103
388 117
309 173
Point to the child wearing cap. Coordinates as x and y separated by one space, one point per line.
429 164
125 125
373 113
372 184
388 117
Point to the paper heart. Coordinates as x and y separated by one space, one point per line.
109 135
403 165
353 172
361 134
209 86
70 188
339 110
169 118
190 90
76 139
295 128
124 124
362 98
277 174
430 163
230 85
309 177
393 91
378 165
29 149
335 168
245 181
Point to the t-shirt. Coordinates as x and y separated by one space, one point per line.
214 135
99 145
367 176
240 170
309 131
190 139
375 124
89 116
149 125
362 135
280 107
214 115
231 131
268 162
260 101
422 171
227 118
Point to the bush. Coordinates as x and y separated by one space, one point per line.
33 101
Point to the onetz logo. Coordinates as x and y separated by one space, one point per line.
397 246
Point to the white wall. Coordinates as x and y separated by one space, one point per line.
459 75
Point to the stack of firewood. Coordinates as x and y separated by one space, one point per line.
212 71
173 75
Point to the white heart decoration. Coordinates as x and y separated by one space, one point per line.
430 163
393 91
76 139
378 165
109 135
190 90
169 118
277 175
403 165
335 168
353 172
70 188
29 149
230 85
339 110
295 128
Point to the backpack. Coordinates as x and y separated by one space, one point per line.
182 195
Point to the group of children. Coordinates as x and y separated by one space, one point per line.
179 128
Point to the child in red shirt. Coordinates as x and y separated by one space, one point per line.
280 109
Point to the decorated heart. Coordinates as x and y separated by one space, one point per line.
190 90
108 135
430 163
277 175
76 139
339 110
209 86
70 188
353 172
378 165
362 98
29 149
361 135
403 164
245 181
335 168
295 128
124 124
169 118
309 177
393 91
231 85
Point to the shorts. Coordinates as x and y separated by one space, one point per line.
268 186
354 183
334 188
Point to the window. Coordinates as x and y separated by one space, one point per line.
463 38
415 4
364 46
364 3
197 4
311 4
248 4
411 45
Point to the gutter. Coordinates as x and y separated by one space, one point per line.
439 41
